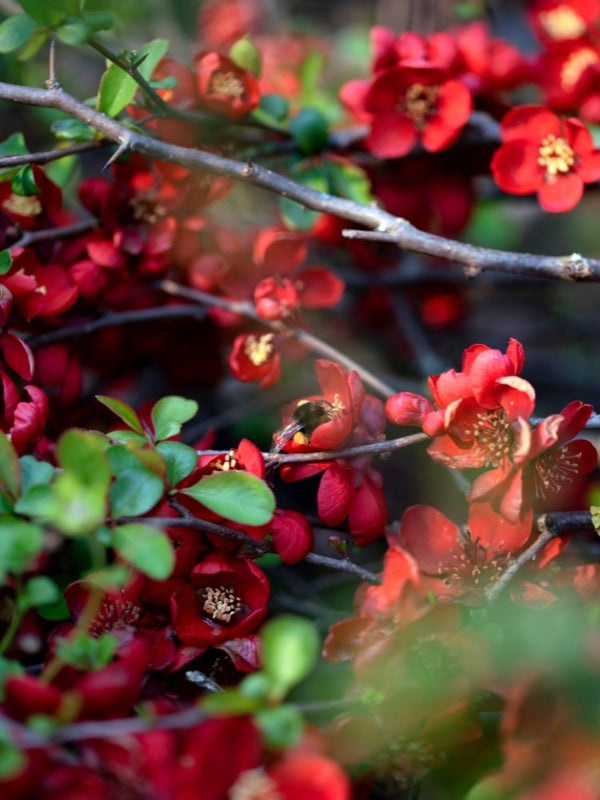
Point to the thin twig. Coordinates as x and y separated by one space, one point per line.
46 156
387 226
113 319
373 448
549 526
29 238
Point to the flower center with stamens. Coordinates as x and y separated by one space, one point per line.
225 462
226 83
573 67
254 784
219 603
555 155
259 349
552 470
146 209
112 615
420 103
24 206
494 436
562 23
403 760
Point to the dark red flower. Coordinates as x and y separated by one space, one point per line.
225 599
545 154
223 86
255 357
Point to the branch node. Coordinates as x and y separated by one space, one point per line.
576 267
248 170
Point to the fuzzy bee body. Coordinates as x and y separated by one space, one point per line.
306 417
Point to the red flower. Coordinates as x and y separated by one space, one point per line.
225 599
545 154
558 21
223 86
545 462
568 75
461 562
297 776
254 357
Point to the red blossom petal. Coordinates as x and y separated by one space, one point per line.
454 104
430 537
516 396
515 167
367 515
292 535
562 194
18 355
318 287
495 532
392 135
531 123
299 776
335 494
279 252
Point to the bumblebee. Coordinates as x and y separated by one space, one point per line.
306 417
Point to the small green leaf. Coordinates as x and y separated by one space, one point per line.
595 512
12 760
38 591
73 507
23 182
290 646
20 543
10 470
62 170
8 667
99 20
82 454
124 411
275 106
257 686
181 460
296 216
169 414
74 31
34 472
134 492
16 31
35 43
310 129
348 180
229 702
72 130
281 727
14 145
238 496
43 11
147 549
125 437
246 55
87 652
117 88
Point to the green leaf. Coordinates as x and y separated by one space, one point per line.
81 453
257 686
296 216
8 667
20 543
87 652
74 31
10 470
310 129
229 702
12 759
274 106
350 181
281 727
23 182
117 88
246 55
16 31
62 170
147 549
132 455
169 414
134 492
181 460
38 591
43 11
14 145
238 496
125 437
124 411
34 472
99 20
73 507
37 41
290 647
595 512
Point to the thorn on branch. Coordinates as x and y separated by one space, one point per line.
121 150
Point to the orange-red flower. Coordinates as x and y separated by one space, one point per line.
545 154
